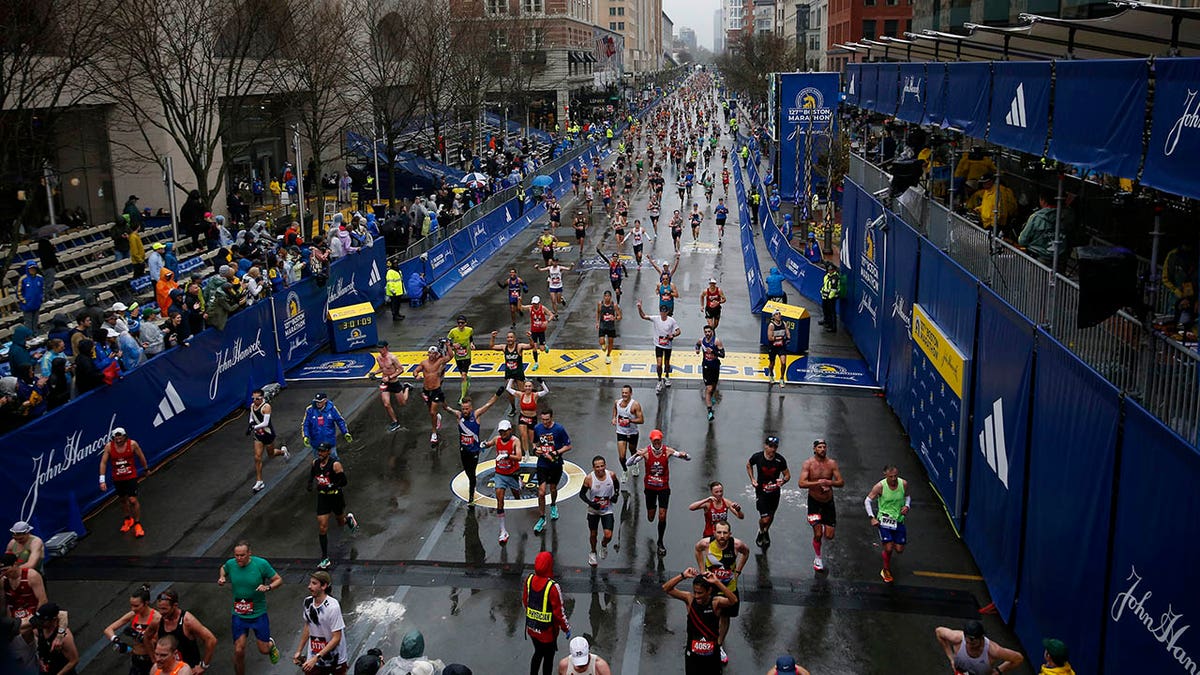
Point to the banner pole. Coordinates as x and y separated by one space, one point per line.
275 327
1058 206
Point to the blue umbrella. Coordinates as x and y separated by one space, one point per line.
542 181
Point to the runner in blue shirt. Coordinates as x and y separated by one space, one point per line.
550 442
721 212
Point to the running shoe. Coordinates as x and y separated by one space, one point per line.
782 382
592 559
603 551
758 541
668 383
138 531
625 477
324 564
394 426
512 412
766 537
258 485
659 387
662 550
539 525
546 348
439 422
433 438
724 656
534 366
286 455
127 525
886 575
818 564
608 359
503 536
351 522
274 654
553 512
772 380
637 469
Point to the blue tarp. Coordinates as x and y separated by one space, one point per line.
887 91
1099 112
1020 115
862 263
1174 149
912 93
935 94
968 89
853 83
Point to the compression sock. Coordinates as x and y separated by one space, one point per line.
887 560
466 384
324 545
662 530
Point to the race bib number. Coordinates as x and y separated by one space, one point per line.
122 468
623 421
243 606
315 645
887 522
22 613
514 294
663 341
460 350
466 441
769 486
602 503
323 482
702 647
814 518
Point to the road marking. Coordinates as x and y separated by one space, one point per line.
948 575
633 644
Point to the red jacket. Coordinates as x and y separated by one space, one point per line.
543 630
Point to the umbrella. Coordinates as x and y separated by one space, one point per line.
542 181
475 177
49 231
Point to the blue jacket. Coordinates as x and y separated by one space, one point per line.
30 292
775 282
323 426
18 353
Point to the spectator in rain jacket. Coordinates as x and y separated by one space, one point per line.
162 290
30 294
219 303
154 261
775 286
322 424
87 371
18 353
170 261
812 249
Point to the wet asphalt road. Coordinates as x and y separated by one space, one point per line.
422 559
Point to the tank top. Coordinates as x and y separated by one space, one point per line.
468 434
122 460
512 362
514 288
713 514
608 316
537 316
712 298
722 562
702 627
665 296
189 649
708 352
591 664
625 424
178 666
506 463
978 665
323 475
637 237
614 270
48 660
529 406
137 629
256 418
554 278
891 501
22 602
658 471
602 490
778 333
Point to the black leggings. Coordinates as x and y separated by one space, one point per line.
470 460
543 653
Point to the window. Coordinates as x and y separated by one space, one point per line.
908 26
868 30
620 11
612 11
890 26
498 39
497 6
869 3
612 25
621 25
536 38
539 6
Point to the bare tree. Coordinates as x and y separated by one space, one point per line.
751 58
521 62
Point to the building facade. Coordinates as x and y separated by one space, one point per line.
853 20
734 15
718 31
817 36
639 23
949 15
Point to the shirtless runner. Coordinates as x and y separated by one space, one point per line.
820 475
389 383
432 370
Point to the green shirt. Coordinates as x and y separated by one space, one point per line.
461 339
248 601
892 501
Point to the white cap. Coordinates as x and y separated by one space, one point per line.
504 425
109 332
537 300
119 431
433 349
119 307
712 280
581 654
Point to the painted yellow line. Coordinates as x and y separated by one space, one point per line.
948 575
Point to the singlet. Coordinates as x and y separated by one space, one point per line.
722 562
590 669
665 296
506 463
712 298
256 418
713 514
468 434
602 491
512 362
137 630
614 271
22 602
722 212
514 288
528 403
48 660
658 470
608 317
625 424
554 278
323 475
702 628
708 353
547 243
891 501
978 665
122 460
695 218
537 318
178 666
189 649
778 333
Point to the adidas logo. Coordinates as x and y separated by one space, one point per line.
1016 116
374 278
170 405
851 89
991 441
507 215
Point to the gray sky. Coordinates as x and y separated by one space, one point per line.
694 14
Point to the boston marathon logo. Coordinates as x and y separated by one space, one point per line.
293 324
485 489
810 108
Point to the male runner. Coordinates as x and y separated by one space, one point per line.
711 299
704 611
389 376
190 635
712 350
716 508
250 578
167 660
546 244
554 281
627 415
539 321
721 213
725 556
515 286
657 482
527 408
264 436
694 218
820 475
462 341
894 505
24 589
778 334
469 442
582 661
666 329
773 474
676 229
123 450
666 293
27 546
655 211
580 223
432 370
508 468
514 363
600 491
551 442
608 313
970 652
616 270
322 651
330 478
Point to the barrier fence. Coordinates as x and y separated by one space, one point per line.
1069 493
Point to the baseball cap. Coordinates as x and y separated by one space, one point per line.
8 560
456 669
21 527
381 343
319 397
772 441
119 431
504 425
711 280
581 654
119 307
1057 649
537 299
432 349
819 441
158 246
324 446
656 435
973 629
461 317
785 664
110 332
48 611
322 576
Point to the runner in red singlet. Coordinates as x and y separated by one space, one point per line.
122 451
657 481
508 468
716 507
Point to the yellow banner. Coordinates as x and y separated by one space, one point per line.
941 351
786 311
350 311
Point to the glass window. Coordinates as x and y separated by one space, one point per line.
497 6
890 26
535 6
868 29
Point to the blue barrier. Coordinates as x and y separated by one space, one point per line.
754 279
862 263
797 269
902 251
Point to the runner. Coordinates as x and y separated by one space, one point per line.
638 234
123 450
773 474
616 270
469 445
508 468
589 197
514 363
551 442
264 436
575 181
778 334
725 556
600 491
546 244
608 314
250 578
725 180
580 223
462 342
24 589
655 211
166 658
618 223
582 661
657 482
527 408
627 415
820 475
322 649
722 213
666 329
711 299
539 321
190 635
554 280
57 653
515 286
27 546
894 505
704 611
676 229
712 350
142 631
716 508
432 370
322 423
971 653
545 615
330 478
694 218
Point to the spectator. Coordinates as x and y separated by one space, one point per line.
60 328
973 166
87 370
252 286
1056 656
48 263
994 204
151 334
135 214
394 289
1038 234
417 288
119 233
129 348
162 290
154 261
1179 274
137 251
275 189
347 242
31 394
175 331
58 384
170 261
775 290
31 294
220 304
108 355
191 217
81 331
812 249
55 349
18 353
412 653
831 290
224 237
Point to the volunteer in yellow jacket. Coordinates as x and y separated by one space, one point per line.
394 289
